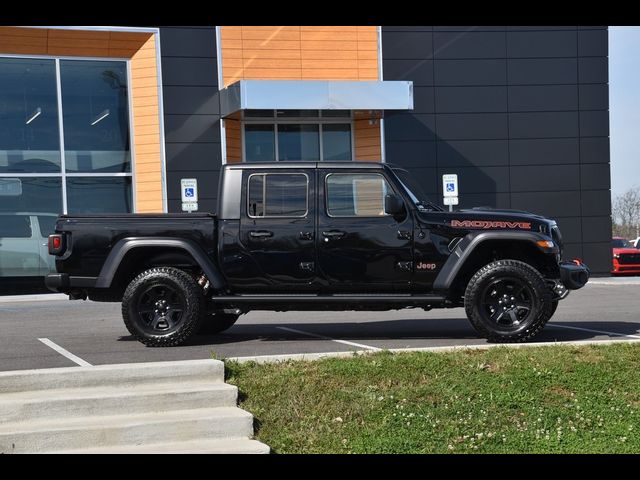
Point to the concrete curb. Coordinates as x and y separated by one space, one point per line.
442 349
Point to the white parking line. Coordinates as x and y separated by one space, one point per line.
594 331
65 353
353 344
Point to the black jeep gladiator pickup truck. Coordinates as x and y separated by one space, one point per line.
315 236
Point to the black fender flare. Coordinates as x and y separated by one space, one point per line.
124 246
469 243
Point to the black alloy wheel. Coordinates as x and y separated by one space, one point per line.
507 301
163 307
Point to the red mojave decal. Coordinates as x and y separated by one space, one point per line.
489 224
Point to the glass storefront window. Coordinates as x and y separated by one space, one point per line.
298 142
266 142
31 194
29 134
36 167
336 142
259 141
96 116
99 194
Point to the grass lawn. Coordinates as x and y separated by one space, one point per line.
556 399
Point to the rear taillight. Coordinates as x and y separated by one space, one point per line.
56 244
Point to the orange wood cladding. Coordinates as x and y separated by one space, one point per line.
301 53
234 140
366 139
141 50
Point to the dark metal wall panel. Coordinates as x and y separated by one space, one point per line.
470 72
519 112
544 151
191 112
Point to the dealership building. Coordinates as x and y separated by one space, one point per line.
112 119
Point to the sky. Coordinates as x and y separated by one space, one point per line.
624 107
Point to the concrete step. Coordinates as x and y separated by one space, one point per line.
121 430
113 400
126 374
199 446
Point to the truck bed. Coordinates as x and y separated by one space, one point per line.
91 236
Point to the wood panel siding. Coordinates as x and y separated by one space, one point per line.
139 48
366 136
233 137
299 53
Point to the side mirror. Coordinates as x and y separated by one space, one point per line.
393 204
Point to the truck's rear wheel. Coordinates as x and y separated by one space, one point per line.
217 322
508 301
162 307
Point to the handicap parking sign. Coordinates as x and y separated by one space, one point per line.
189 189
450 185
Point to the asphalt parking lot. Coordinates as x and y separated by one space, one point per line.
60 333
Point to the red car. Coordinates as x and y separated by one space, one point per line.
626 258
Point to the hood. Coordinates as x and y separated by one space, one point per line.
503 212
487 218
626 251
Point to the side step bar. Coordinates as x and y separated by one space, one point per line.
383 298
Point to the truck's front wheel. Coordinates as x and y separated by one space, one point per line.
508 301
162 307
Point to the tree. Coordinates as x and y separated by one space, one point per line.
626 214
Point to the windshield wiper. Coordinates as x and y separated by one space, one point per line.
421 204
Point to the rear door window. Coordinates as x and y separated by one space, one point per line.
277 195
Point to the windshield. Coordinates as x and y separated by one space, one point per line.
621 243
414 190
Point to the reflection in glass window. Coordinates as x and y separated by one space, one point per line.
99 195
31 195
96 116
336 142
298 142
297 113
29 135
356 195
15 226
47 224
259 113
278 195
260 144
336 113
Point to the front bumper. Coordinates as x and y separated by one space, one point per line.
63 283
624 268
574 275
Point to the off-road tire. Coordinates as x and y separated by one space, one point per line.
541 303
191 296
214 323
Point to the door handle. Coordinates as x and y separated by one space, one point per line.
260 234
306 236
333 234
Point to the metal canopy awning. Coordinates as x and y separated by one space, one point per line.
316 95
